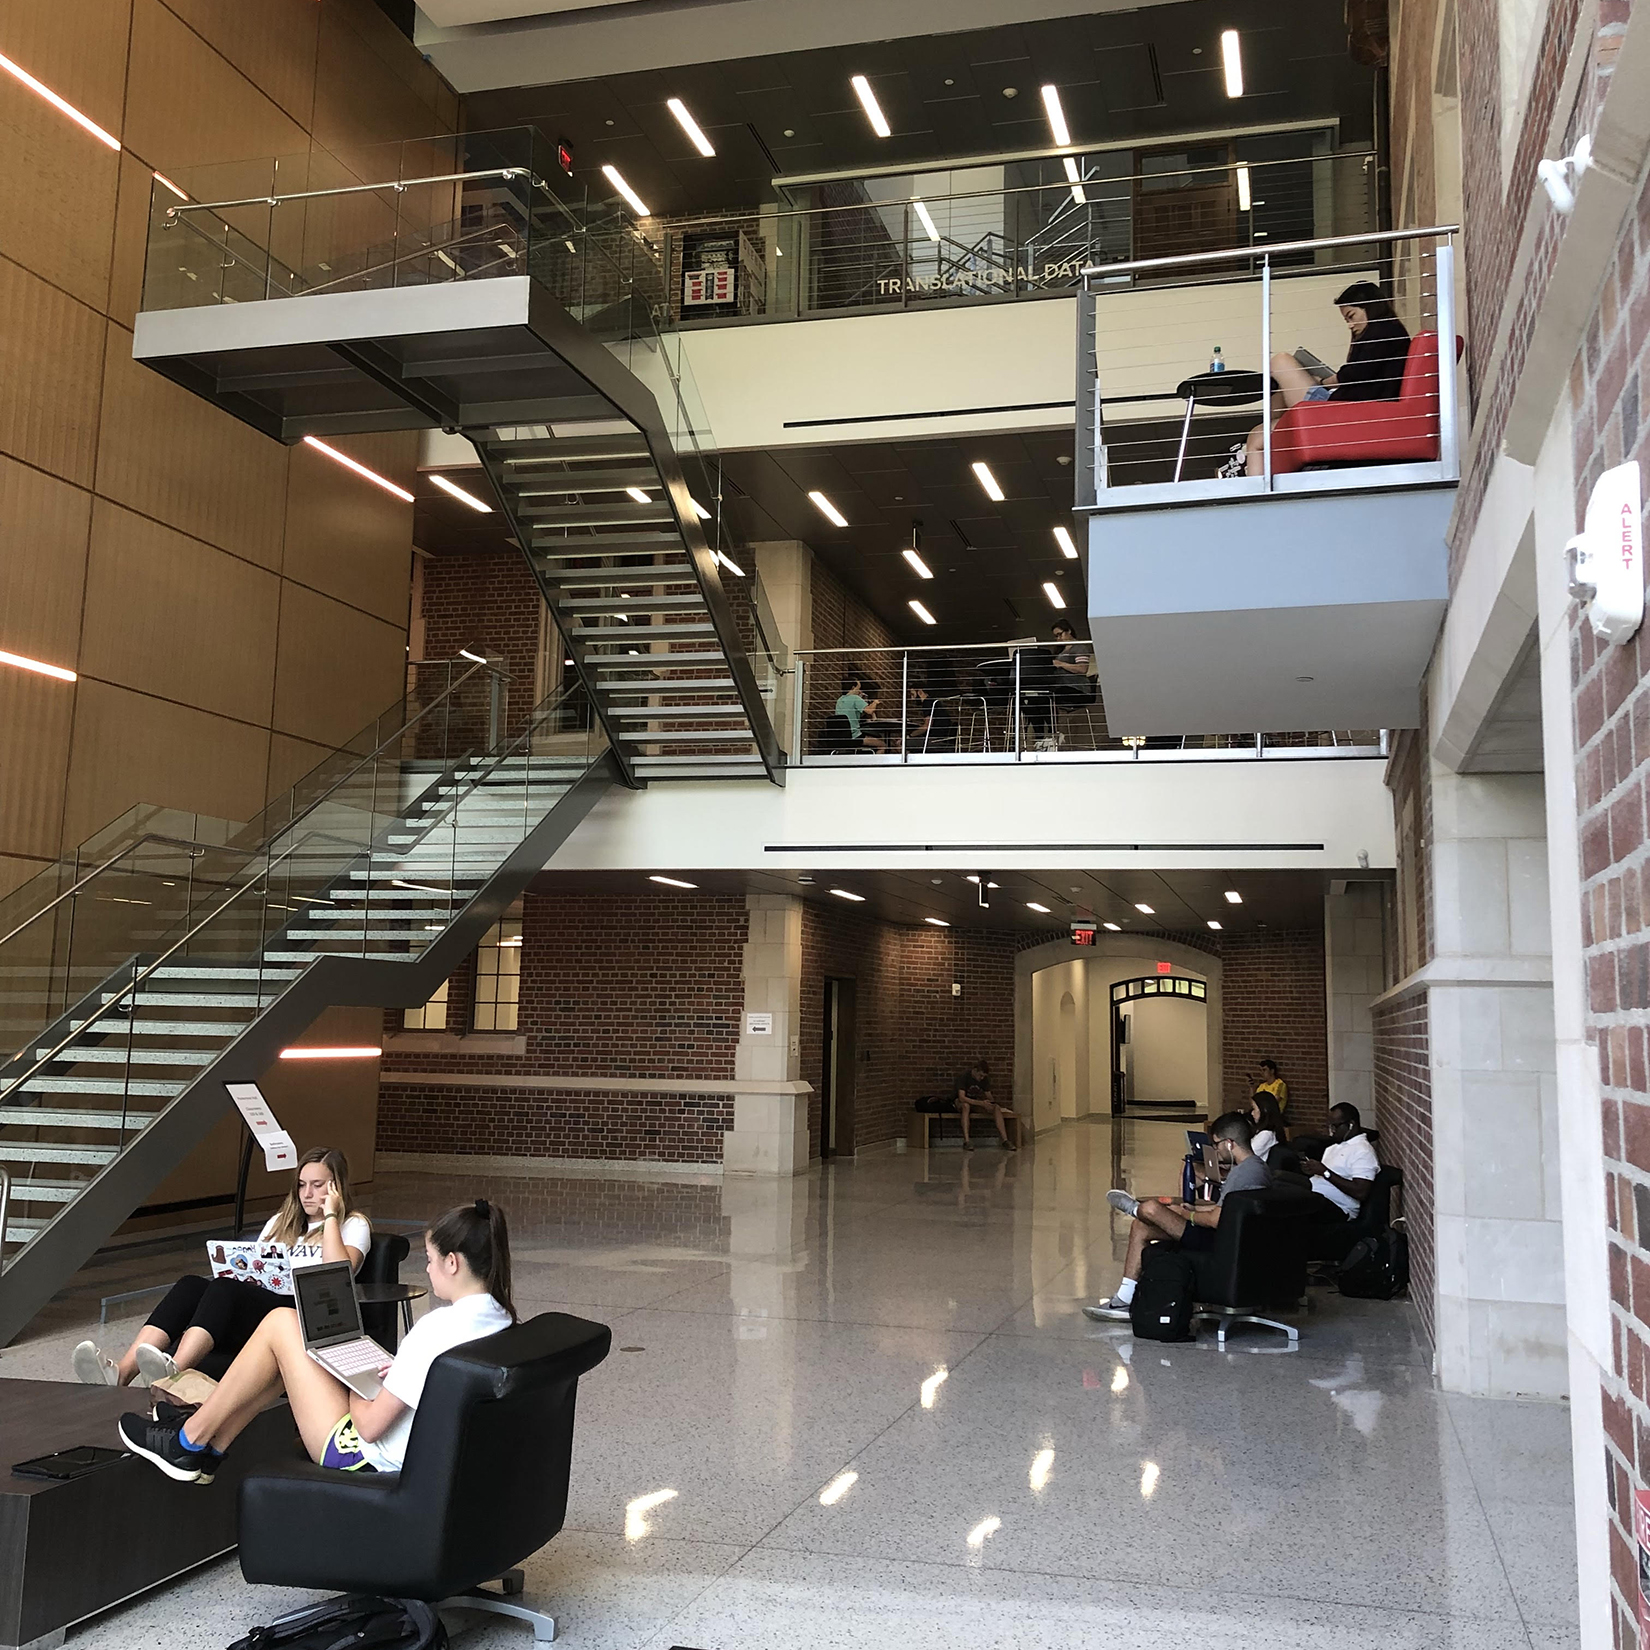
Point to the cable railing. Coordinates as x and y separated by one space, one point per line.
991 703
1323 365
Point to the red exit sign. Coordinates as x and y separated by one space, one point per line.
1165 968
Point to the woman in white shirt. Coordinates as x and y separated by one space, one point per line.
468 1262
204 1322
1266 1119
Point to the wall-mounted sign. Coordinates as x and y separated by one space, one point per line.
1082 933
1165 968
759 1025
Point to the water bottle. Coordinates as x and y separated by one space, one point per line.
1218 362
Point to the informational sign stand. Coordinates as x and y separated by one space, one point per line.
263 1130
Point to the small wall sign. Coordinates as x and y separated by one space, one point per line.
759 1025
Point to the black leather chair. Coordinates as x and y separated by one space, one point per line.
484 1485
380 1269
1258 1261
1332 1240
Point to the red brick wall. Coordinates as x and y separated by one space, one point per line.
486 600
1274 1003
1403 1100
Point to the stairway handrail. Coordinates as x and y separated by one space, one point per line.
400 185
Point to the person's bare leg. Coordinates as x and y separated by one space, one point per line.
148 1335
963 1111
193 1345
1153 1224
274 1358
1255 457
1001 1122
1293 379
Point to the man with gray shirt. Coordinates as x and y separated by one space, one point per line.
1190 1226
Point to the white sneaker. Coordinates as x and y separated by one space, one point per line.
94 1367
1110 1311
1120 1201
153 1364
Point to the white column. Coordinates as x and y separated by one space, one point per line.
770 1112
1354 949
783 569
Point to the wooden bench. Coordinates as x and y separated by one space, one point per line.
922 1132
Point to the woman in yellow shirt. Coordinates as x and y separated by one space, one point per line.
1272 1084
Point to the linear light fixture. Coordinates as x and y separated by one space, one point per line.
1214 925
1032 905
937 922
828 510
1075 178
1115 928
331 1053
728 562
474 658
38 666
918 565
1056 116
1233 897
615 177
842 893
1052 591
873 109
1245 198
1231 60
639 496
62 107
161 178
1145 910
987 480
455 491
927 221
673 882
360 469
1062 537
689 125
921 611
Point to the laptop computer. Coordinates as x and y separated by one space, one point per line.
269 1265
330 1320
1196 1140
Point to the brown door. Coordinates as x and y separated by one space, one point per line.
1184 201
836 1128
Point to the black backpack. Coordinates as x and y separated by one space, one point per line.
358 1621
1162 1306
1376 1268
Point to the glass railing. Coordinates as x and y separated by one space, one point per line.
1236 375
996 702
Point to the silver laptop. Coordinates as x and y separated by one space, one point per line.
331 1324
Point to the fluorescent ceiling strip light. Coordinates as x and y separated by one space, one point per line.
1062 537
1233 897
938 922
1231 60
58 103
699 510
161 178
673 882
331 1053
1032 905
921 612
927 221
689 125
1052 591
1245 199
360 469
1145 910
1214 925
455 491
988 481
38 666
1075 179
1115 928
842 893
828 510
1056 116
615 177
728 562
873 109
639 496
918 565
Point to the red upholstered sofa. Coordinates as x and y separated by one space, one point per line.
1404 431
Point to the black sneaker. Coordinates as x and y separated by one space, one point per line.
161 1442
173 1414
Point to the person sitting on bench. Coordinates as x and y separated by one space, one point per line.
468 1255
974 1094
1189 1225
1347 1169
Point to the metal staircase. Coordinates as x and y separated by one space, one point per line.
386 870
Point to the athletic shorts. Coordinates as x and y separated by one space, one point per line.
342 1450
1197 1240
1318 392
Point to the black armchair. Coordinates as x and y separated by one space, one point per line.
484 1485
1258 1262
1332 1240
380 1269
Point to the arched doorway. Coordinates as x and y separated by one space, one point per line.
1158 1041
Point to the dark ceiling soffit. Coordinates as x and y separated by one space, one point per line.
1043 848
943 412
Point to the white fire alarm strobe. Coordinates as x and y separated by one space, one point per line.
1606 570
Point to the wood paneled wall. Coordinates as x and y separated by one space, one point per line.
233 607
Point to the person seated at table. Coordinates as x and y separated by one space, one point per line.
1374 369
203 1322
467 1254
854 708
1189 1226
931 726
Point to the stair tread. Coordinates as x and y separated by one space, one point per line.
612 480
41 1118
21 1152
650 712
149 1087
116 1054
225 1030
538 449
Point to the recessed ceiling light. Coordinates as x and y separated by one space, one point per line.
615 177
38 666
360 469
1144 910
988 481
938 922
868 101
1231 60
1075 179
921 612
828 510
1056 116
1214 925
1032 905
1245 199
842 893
790 131
927 221
1112 926
463 497
1052 591
689 125
1233 897
42 90
673 882
918 565
639 496
1062 537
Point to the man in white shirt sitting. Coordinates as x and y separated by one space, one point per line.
1346 1172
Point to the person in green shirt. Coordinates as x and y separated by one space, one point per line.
853 706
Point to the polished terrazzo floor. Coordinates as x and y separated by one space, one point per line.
885 1423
